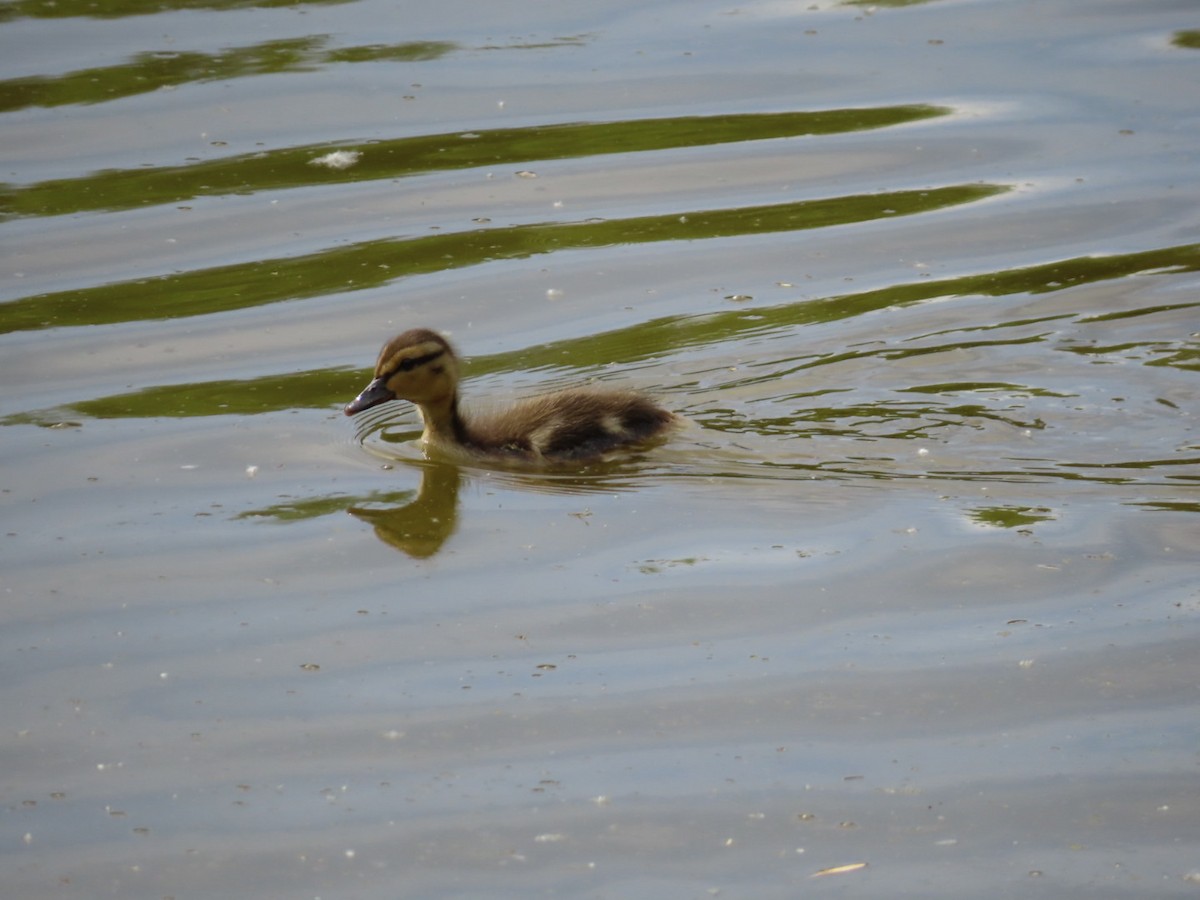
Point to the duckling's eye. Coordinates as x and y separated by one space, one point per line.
408 363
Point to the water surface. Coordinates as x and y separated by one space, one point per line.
910 606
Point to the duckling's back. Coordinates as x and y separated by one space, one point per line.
574 425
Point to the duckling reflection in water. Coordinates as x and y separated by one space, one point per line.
423 525
571 426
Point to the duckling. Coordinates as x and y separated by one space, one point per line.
577 425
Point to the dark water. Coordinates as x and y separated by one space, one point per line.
909 608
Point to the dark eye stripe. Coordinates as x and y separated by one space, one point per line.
411 362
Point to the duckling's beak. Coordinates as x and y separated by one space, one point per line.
373 394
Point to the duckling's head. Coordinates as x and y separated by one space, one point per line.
418 366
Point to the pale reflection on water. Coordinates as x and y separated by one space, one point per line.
915 588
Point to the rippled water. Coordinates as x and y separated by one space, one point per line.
910 606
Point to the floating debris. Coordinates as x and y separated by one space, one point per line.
839 870
338 159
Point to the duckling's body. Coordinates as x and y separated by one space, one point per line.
568 426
